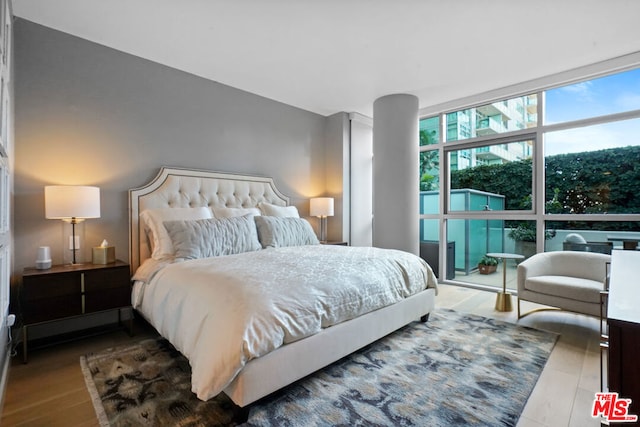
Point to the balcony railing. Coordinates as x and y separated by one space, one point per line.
489 126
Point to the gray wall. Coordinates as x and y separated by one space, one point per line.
91 115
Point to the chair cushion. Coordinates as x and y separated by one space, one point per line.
575 288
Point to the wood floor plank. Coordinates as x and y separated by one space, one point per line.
62 407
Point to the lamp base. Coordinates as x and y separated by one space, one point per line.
73 242
323 229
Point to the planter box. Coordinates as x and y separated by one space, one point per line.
487 269
527 249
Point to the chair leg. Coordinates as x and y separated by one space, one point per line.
535 310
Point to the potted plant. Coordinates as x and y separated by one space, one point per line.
524 236
487 265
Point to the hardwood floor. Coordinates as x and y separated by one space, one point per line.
566 388
50 389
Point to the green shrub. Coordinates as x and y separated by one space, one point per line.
488 260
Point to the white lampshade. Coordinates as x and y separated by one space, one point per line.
71 201
321 206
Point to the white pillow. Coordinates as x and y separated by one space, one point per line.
280 211
153 219
275 232
205 238
231 212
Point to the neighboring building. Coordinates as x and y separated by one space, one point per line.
499 117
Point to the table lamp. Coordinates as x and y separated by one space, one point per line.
72 204
322 207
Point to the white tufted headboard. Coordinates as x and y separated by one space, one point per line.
182 188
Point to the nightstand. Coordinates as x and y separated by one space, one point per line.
67 291
335 243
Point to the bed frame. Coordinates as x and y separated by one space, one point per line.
177 187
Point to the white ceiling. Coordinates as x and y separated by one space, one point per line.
328 56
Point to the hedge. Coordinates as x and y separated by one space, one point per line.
603 181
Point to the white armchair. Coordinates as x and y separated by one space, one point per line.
567 280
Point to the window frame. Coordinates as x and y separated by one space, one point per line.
517 136
537 135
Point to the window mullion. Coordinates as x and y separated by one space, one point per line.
539 195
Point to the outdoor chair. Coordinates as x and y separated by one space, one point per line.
575 242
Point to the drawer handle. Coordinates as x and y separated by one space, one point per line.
82 290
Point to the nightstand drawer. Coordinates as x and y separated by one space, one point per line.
57 307
107 299
103 280
107 289
42 287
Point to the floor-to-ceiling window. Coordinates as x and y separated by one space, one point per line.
551 170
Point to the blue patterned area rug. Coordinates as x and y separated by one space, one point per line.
456 369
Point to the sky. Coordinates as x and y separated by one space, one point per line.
606 95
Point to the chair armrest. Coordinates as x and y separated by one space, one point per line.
522 274
537 265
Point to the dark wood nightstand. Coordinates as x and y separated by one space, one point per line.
335 243
66 291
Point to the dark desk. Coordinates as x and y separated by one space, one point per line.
623 318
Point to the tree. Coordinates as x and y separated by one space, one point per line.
429 162
429 170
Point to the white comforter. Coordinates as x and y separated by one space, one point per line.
222 312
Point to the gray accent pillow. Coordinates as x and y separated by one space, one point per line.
213 237
275 232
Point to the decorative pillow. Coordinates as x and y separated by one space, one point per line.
280 211
153 219
275 232
206 238
231 212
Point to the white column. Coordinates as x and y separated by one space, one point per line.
395 173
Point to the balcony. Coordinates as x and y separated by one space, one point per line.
489 126
496 109
495 153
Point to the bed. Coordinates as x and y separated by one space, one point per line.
175 292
